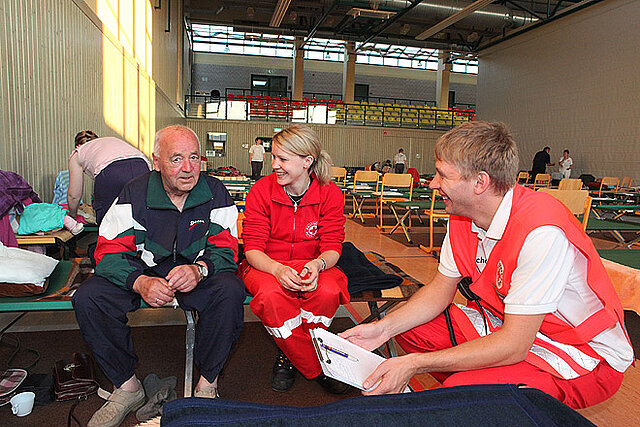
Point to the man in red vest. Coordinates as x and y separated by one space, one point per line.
541 308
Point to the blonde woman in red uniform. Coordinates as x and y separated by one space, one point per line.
293 233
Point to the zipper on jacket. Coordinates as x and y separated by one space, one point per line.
293 236
175 243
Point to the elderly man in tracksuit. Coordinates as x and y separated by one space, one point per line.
171 233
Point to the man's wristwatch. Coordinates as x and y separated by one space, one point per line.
203 270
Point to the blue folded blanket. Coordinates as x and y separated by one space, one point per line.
476 405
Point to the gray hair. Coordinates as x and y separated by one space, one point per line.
169 130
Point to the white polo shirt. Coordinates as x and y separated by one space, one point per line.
551 277
257 153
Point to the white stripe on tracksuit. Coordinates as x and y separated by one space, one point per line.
289 325
557 363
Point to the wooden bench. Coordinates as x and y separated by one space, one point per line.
63 239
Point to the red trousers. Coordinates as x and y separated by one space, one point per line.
288 316
581 392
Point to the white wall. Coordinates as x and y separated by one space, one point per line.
66 66
573 84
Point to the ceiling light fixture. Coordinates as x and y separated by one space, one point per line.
452 19
370 13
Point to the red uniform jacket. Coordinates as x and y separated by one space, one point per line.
531 210
272 224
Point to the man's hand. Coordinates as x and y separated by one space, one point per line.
288 278
155 291
368 336
391 376
183 278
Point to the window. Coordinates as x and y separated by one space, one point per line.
268 85
222 39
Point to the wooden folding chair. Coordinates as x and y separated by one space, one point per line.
395 187
523 175
410 207
570 184
577 201
365 184
339 175
542 180
608 181
625 183
435 213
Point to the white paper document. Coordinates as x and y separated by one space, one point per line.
343 360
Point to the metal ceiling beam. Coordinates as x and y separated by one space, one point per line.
555 9
564 12
459 15
524 8
279 12
389 22
320 22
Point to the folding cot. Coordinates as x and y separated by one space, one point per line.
57 281
628 257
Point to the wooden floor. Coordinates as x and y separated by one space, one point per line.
623 409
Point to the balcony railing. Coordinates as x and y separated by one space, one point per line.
283 109
322 96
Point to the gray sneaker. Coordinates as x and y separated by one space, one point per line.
118 406
210 392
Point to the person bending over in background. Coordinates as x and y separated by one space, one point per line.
111 162
544 312
387 167
171 234
293 232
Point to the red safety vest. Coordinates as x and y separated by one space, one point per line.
530 210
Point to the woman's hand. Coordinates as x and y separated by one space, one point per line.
309 275
288 278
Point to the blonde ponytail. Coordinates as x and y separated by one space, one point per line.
322 167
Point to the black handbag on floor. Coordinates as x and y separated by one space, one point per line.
41 385
74 379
